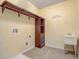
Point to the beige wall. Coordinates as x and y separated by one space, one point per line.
1 1
13 43
60 19
78 23
78 15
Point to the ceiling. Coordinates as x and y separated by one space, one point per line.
44 3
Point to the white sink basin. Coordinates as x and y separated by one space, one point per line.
70 39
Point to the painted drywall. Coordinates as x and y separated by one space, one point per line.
1 1
13 43
78 24
78 14
60 19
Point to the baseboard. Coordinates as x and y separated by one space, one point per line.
23 51
26 50
54 47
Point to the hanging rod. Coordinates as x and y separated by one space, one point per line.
17 9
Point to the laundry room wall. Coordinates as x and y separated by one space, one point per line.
60 19
16 33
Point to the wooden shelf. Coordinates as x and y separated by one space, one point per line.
42 29
42 25
40 34
17 9
42 22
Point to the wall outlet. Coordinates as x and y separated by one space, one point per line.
29 36
26 43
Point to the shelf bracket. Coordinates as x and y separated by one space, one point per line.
3 9
28 17
3 6
19 14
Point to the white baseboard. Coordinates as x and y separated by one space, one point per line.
23 51
21 56
54 47
26 50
